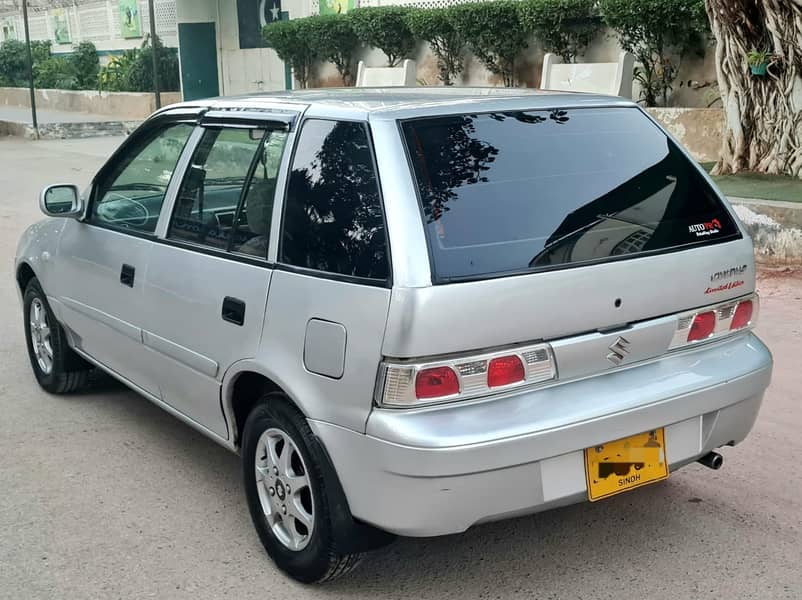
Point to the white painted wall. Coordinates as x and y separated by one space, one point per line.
245 70
98 21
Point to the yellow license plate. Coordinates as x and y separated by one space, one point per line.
625 464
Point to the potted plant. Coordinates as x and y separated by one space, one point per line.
759 61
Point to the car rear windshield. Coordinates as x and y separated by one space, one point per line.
512 192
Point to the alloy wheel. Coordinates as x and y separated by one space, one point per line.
40 336
285 493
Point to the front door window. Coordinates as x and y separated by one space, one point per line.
130 194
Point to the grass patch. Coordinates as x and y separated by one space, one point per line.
758 185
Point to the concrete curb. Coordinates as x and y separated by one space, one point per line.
775 227
72 130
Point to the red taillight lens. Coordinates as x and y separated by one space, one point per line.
742 316
504 371
703 326
436 383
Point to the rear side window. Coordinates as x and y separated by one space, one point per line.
513 192
332 217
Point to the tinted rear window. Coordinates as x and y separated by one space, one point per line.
521 191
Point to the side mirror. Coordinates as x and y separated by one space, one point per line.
62 200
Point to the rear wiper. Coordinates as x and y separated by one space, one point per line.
615 217
562 238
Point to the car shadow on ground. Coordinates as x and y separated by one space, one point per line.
609 539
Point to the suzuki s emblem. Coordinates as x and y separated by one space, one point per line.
618 351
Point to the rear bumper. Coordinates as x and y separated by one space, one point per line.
440 471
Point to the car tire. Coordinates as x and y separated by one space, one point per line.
58 369
306 553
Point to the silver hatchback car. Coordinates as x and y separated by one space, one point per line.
409 310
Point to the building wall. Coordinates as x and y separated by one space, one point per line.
95 21
241 70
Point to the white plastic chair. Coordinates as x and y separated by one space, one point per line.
386 76
613 79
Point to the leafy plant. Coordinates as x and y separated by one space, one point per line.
446 42
54 73
756 58
334 39
13 63
655 31
113 76
140 74
132 71
40 50
292 42
564 27
494 33
384 28
85 65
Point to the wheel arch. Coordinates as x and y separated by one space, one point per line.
24 275
243 385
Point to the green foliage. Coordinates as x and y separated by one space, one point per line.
294 45
446 42
54 72
132 71
40 50
756 58
85 65
113 76
140 76
13 69
76 71
334 39
655 31
564 27
384 28
494 32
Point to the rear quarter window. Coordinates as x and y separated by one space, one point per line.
333 218
513 192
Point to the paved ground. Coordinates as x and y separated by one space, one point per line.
105 496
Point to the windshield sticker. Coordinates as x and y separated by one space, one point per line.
724 287
707 228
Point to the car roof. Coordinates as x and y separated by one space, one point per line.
390 103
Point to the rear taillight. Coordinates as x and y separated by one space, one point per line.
702 327
406 384
714 322
505 370
437 382
743 315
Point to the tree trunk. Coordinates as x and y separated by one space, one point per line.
763 114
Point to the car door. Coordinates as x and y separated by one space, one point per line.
208 280
103 258
330 292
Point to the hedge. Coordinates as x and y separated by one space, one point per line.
384 28
76 71
497 33
131 71
334 39
564 27
446 42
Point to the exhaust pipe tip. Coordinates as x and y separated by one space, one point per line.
712 460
